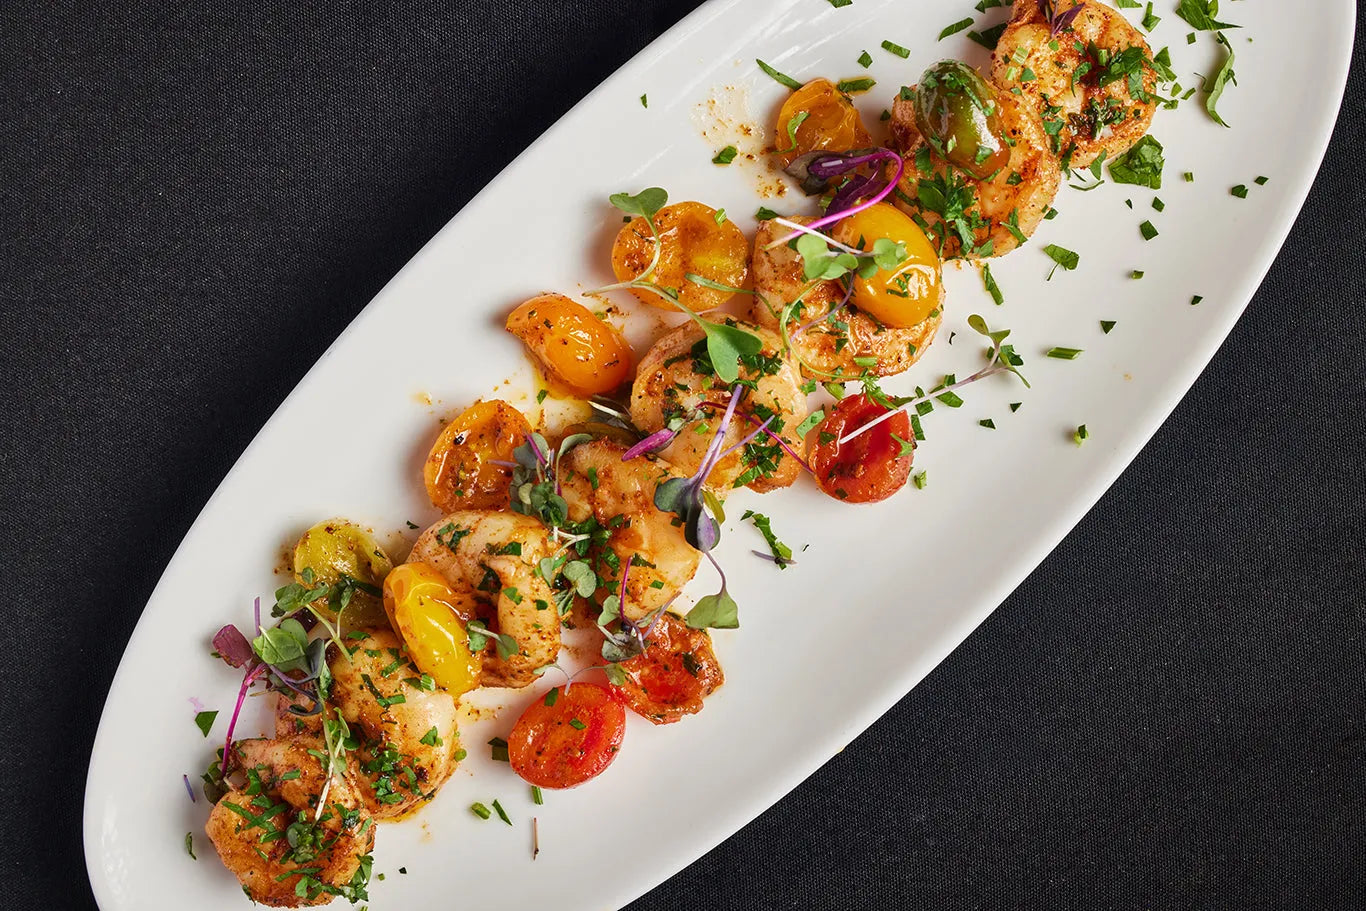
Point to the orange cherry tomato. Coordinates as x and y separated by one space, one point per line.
869 467
905 296
431 619
459 472
677 671
573 345
568 737
832 123
690 240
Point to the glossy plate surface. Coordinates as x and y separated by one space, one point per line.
880 596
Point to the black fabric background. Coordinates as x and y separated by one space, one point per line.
196 198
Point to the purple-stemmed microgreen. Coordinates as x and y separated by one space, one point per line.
479 635
1001 358
829 165
535 488
687 498
1058 21
627 640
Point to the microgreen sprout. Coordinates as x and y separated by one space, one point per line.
631 637
1058 21
725 344
535 489
826 166
1001 358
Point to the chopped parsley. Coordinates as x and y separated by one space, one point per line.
1141 165
1063 257
782 554
854 86
1147 230
499 752
1106 325
893 48
782 78
955 28
865 60
204 721
726 155
1239 191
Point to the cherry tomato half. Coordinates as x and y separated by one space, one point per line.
568 737
869 467
572 344
431 618
676 672
459 472
832 123
905 296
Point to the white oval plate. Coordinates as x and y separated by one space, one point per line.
881 595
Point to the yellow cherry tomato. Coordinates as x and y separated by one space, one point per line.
906 295
573 345
831 124
460 472
431 618
690 240
336 548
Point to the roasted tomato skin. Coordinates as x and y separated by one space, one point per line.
568 738
573 345
431 617
677 671
459 472
832 123
908 296
691 240
869 467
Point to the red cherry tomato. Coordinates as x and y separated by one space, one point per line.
869 467
676 672
567 737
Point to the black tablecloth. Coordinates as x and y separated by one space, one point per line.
196 198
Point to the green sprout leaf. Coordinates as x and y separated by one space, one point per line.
644 204
718 611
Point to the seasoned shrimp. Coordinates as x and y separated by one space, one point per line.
985 217
597 484
830 346
676 380
400 761
493 556
1092 83
287 851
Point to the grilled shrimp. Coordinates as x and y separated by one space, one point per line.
400 762
270 832
831 345
987 217
1094 91
493 556
620 495
676 381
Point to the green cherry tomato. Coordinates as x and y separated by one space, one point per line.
956 111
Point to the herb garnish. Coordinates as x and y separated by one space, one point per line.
779 77
1222 77
781 553
1140 165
